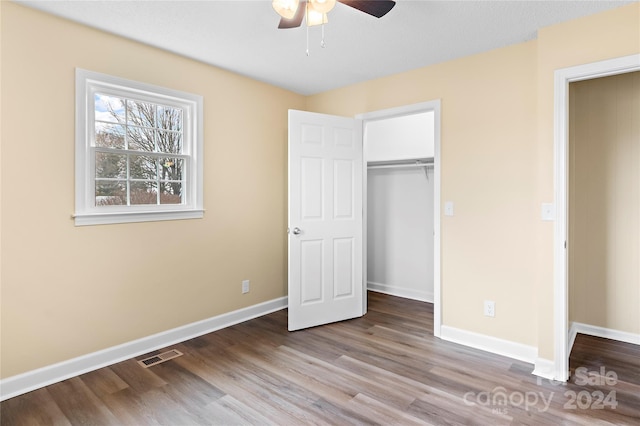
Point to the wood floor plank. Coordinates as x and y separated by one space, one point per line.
133 408
428 399
234 377
229 411
79 404
103 382
137 378
332 375
385 368
159 407
383 413
32 409
280 364
325 404
400 384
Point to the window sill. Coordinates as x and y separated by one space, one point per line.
133 217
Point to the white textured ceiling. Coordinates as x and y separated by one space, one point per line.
242 36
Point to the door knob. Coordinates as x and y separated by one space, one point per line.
297 231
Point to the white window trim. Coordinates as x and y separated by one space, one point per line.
86 213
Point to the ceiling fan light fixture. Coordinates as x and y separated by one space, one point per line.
322 6
315 18
285 8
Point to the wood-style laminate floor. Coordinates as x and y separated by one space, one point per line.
385 368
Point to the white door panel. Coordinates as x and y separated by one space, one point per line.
325 219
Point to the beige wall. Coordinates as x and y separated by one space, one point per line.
1 38
604 202
69 291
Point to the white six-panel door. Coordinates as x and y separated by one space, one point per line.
325 219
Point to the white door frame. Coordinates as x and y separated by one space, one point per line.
398 112
562 78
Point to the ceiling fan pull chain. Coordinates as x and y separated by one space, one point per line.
322 41
307 40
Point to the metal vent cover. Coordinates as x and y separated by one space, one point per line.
157 359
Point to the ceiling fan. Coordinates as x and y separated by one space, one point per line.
315 11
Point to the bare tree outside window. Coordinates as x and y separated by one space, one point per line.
137 152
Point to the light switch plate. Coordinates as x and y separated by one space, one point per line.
448 208
548 212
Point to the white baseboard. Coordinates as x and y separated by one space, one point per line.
544 368
490 344
31 380
407 293
607 333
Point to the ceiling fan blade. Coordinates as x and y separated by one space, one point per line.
377 8
296 21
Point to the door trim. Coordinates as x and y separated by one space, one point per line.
434 106
562 78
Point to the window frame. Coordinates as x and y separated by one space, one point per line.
88 84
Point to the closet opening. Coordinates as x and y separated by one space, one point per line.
604 208
559 368
401 202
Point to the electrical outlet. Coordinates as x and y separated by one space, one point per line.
245 286
489 308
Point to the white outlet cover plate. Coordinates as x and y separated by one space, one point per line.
489 308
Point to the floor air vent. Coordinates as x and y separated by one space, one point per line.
157 359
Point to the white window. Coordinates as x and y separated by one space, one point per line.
138 151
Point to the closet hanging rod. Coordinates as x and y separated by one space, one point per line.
399 165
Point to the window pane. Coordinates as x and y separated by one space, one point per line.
169 118
109 135
171 168
109 108
170 192
141 113
144 193
111 193
170 142
141 139
112 166
142 167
